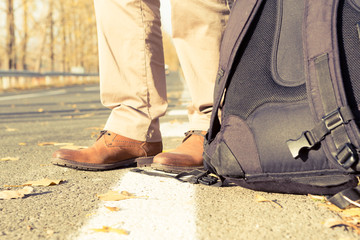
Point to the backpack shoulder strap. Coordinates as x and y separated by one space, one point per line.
325 87
241 16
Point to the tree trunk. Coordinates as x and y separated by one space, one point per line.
10 37
51 34
23 53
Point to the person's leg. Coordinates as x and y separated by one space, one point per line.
198 26
132 66
132 84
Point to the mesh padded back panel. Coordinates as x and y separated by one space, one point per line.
252 84
349 47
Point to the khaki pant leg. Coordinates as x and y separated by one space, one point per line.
132 78
197 29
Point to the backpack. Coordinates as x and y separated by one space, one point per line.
286 101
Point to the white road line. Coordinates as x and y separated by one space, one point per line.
177 112
92 89
32 95
166 210
174 129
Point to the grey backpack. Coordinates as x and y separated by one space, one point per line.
288 95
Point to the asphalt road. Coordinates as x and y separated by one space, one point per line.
33 124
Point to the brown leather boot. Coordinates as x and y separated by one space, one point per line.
186 157
109 151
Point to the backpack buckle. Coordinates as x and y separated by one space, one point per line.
347 156
306 140
208 180
333 120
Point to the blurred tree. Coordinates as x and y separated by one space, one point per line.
24 41
10 36
49 35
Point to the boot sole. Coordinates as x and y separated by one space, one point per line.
174 169
144 161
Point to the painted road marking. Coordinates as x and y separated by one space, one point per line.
166 210
32 95
174 128
177 112
92 89
177 129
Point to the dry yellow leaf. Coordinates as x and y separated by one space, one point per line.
22 144
85 115
94 128
332 222
11 129
113 209
15 186
110 229
43 182
332 207
317 198
13 194
40 110
353 212
9 159
115 196
46 144
263 199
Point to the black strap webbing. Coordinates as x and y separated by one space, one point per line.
342 198
194 177
332 123
328 98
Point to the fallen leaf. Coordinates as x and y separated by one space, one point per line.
332 222
113 209
84 115
263 199
110 229
40 110
13 194
115 196
22 144
94 128
317 198
15 186
43 182
9 159
332 207
46 144
353 212
11 129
